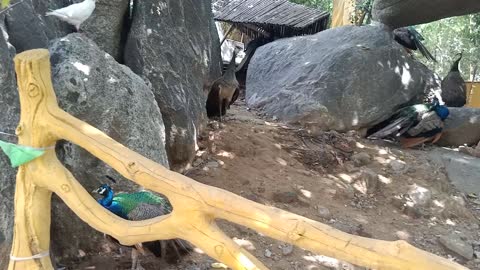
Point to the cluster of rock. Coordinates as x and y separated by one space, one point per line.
136 72
352 78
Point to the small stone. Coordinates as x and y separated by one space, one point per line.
454 244
361 159
323 212
287 249
366 181
197 162
285 197
81 253
397 165
268 253
419 195
213 164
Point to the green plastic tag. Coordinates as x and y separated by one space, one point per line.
19 154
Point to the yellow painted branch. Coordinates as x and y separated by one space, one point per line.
195 205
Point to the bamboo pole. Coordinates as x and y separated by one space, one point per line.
196 206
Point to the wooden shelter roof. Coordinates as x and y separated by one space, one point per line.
275 17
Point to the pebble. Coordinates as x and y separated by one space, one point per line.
268 253
323 212
361 159
213 164
420 195
285 197
397 165
287 249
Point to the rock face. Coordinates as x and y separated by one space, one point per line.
30 29
93 87
9 106
106 25
170 43
461 127
411 12
343 78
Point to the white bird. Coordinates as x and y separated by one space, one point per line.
74 14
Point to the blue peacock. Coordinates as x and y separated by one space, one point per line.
140 206
413 125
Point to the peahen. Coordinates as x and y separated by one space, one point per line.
140 206
413 125
223 91
454 90
411 39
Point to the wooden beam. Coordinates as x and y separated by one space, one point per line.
226 34
196 205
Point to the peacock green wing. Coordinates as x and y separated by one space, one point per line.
129 201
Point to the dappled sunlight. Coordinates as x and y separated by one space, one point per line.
246 262
197 250
403 235
81 67
450 222
306 193
359 145
244 243
324 261
281 161
346 178
226 154
384 179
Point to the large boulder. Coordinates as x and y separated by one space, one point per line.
343 78
411 12
93 87
28 28
9 106
461 127
171 44
107 24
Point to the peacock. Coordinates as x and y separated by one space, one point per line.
413 125
223 92
411 39
140 206
454 90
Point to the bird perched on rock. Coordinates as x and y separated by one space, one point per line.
223 91
454 90
74 14
411 39
413 125
140 206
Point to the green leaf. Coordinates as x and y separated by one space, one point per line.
5 3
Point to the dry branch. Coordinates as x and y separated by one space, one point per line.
196 206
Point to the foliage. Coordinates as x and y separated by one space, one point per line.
448 37
325 5
4 3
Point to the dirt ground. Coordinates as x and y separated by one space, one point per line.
372 189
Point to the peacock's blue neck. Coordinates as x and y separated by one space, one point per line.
107 199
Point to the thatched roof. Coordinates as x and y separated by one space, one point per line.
279 18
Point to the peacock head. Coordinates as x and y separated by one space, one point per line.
442 111
103 190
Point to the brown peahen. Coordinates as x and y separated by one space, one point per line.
223 91
454 90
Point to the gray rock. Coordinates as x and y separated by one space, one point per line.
397 165
361 159
419 195
323 212
411 12
297 79
171 44
30 29
456 245
93 87
366 181
461 127
10 108
268 253
287 249
106 26
462 170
